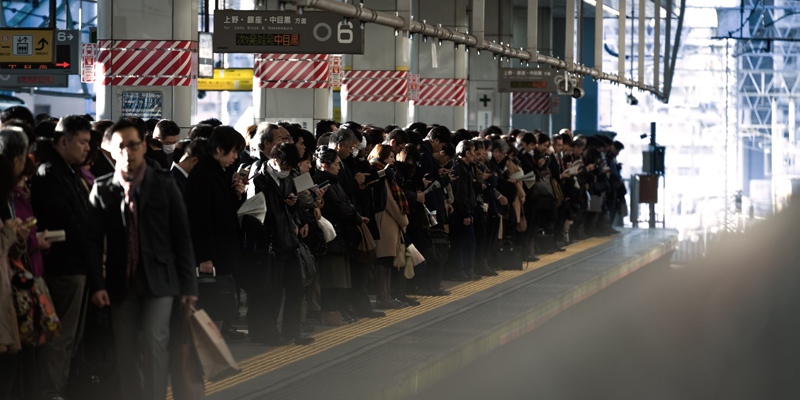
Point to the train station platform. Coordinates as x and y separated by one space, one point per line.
415 347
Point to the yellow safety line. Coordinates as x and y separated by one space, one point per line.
279 357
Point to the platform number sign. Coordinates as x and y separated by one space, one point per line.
285 32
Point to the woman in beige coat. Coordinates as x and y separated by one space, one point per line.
391 217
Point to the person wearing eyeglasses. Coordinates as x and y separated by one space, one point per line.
150 263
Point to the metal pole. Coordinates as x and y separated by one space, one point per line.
533 26
598 37
569 35
641 40
623 9
657 44
653 171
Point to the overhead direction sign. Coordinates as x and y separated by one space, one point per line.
30 81
540 80
285 32
238 79
26 45
66 50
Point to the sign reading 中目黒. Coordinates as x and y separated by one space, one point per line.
285 32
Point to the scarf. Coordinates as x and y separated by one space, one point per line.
132 218
397 193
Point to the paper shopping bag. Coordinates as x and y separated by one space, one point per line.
214 354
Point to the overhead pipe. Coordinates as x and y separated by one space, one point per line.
395 21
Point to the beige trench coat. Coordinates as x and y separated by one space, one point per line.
390 224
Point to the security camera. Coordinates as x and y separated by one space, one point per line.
578 93
632 100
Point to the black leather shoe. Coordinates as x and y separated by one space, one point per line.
461 278
233 334
371 314
303 340
276 341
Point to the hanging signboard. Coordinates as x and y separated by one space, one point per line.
65 48
205 56
526 80
413 87
31 81
285 32
235 79
336 71
24 46
88 58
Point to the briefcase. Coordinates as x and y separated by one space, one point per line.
217 295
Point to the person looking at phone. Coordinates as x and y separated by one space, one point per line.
273 179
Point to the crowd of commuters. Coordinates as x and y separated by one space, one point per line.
143 214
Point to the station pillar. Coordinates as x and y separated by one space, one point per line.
383 52
483 99
586 109
151 29
302 106
442 62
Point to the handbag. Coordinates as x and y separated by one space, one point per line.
557 193
217 295
308 269
365 253
36 316
327 229
184 365
400 256
213 352
543 190
522 225
596 203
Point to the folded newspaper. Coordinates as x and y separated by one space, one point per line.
303 182
255 207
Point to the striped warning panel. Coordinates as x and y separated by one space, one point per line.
531 103
146 62
292 71
442 93
388 86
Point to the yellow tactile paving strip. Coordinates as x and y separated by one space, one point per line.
282 356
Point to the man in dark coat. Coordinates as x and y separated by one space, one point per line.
213 197
142 217
60 201
462 232
190 156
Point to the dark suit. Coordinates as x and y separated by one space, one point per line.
142 306
212 206
166 258
180 178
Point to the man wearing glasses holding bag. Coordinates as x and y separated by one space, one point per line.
150 262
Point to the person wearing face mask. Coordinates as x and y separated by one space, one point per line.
283 274
167 133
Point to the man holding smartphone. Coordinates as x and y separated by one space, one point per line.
283 272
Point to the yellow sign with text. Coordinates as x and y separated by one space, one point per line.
238 79
26 45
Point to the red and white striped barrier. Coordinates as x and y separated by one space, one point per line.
146 62
388 86
531 103
292 71
442 93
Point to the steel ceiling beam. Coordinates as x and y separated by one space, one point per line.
366 14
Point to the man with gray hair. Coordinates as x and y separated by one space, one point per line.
61 202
